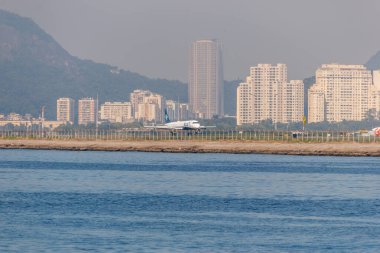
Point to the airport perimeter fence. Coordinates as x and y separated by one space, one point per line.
206 135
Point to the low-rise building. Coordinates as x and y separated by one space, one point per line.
147 106
116 112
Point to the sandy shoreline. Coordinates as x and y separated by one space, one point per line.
235 147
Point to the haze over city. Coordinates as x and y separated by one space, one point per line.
153 37
207 126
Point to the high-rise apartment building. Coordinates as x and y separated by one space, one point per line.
345 91
206 79
65 110
316 104
147 106
116 112
291 102
86 111
267 94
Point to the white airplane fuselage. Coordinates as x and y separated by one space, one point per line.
182 125
189 125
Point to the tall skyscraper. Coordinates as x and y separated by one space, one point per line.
86 111
341 92
65 110
206 79
267 94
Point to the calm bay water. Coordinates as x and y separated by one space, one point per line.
58 201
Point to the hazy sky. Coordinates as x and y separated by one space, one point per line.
152 37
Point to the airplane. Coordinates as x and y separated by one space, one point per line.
375 131
189 125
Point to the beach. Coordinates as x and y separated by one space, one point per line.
192 146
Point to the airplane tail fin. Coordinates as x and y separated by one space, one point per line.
167 120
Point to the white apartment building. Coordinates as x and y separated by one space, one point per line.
147 106
65 110
346 92
316 104
244 114
148 112
291 102
267 94
86 111
206 84
136 98
116 112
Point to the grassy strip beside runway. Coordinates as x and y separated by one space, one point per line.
196 146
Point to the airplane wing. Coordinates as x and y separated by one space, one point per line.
157 126
163 127
197 128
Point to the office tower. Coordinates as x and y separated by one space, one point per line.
206 79
86 111
345 90
65 110
147 106
267 95
116 112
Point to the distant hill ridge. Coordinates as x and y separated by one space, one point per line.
35 70
374 62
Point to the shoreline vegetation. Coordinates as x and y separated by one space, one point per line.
197 146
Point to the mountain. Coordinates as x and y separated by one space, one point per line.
35 70
374 62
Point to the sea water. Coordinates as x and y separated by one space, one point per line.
63 201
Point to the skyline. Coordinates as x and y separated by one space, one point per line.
189 126
156 45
